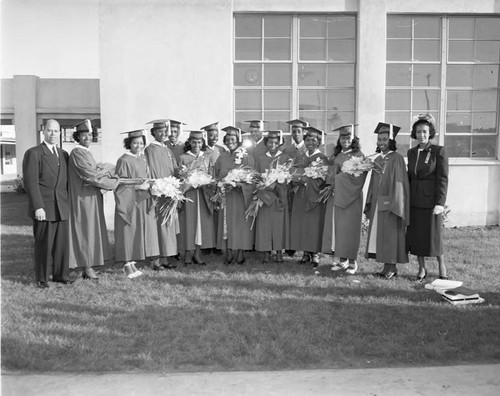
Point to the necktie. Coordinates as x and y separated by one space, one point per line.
54 151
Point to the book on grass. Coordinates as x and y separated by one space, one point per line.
465 302
460 295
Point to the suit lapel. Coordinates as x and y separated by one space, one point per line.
50 159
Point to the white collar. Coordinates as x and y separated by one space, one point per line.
276 155
385 155
158 143
49 145
192 154
347 151
133 155
261 139
316 152
82 147
297 146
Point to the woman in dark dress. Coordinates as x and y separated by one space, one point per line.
428 175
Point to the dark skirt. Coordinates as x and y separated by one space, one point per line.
423 235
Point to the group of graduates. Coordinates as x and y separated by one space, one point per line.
404 205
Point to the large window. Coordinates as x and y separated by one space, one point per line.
289 66
447 66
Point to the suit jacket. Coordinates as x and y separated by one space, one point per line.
429 177
46 182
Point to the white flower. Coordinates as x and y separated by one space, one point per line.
356 166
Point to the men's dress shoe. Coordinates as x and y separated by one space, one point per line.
89 273
42 285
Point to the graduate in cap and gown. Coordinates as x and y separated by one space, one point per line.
256 130
234 233
196 216
162 163
212 134
87 182
344 209
388 204
136 232
272 225
307 216
173 139
296 144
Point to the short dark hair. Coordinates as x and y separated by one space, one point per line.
224 140
187 145
392 146
128 140
76 136
355 146
432 129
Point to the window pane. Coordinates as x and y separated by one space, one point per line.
341 27
484 122
460 51
397 99
247 74
398 75
314 118
340 99
487 51
276 99
458 123
277 119
414 117
426 75
337 118
398 50
427 50
242 116
488 28
312 74
341 50
248 25
426 100
459 76
312 49
399 118
313 26
312 100
485 100
403 145
398 26
484 146
277 26
340 75
248 99
461 28
277 49
458 146
278 75
486 76
248 49
427 27
459 100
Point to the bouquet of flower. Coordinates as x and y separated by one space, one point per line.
168 194
356 166
240 153
235 178
276 174
325 193
194 178
316 170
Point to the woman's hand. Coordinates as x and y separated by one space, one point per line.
438 209
143 187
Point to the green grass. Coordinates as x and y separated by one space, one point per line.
250 317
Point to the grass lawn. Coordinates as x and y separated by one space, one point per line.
250 317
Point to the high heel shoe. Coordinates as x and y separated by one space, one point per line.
444 277
390 274
89 273
198 261
420 278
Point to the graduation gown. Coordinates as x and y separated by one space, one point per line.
307 216
162 163
258 149
215 151
177 149
272 226
89 244
292 150
344 210
239 234
136 235
388 208
196 217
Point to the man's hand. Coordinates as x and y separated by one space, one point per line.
40 214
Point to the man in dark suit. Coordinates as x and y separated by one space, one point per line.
45 171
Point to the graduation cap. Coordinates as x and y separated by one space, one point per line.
176 123
315 132
197 134
275 134
346 130
160 123
383 127
134 134
233 131
298 123
211 127
84 126
256 123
